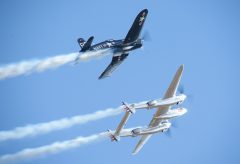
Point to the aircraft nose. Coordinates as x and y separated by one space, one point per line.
184 110
184 96
168 124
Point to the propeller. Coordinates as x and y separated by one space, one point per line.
174 124
168 133
181 89
146 36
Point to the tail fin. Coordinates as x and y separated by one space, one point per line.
136 28
85 45
81 42
112 136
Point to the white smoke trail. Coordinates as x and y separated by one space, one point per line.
57 147
95 55
54 148
27 67
43 128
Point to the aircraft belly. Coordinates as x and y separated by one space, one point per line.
168 102
127 48
151 131
156 129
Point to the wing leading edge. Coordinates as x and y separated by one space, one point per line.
116 61
161 110
141 143
169 93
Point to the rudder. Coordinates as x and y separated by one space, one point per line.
81 42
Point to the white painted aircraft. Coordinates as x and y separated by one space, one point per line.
178 99
160 121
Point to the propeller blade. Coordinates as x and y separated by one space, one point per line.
174 123
146 36
169 133
190 97
181 89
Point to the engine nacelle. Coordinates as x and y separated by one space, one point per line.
172 113
151 130
136 132
180 102
151 103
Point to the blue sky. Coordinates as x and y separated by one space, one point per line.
203 35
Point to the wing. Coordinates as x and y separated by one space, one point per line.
116 61
141 143
161 110
136 28
122 124
170 93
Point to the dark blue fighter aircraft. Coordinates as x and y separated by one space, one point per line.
119 48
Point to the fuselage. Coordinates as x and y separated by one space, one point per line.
161 102
139 131
172 113
116 47
163 126
166 102
151 130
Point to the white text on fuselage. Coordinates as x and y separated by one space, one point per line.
102 46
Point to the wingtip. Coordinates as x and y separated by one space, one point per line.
102 77
179 71
145 10
181 67
134 153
